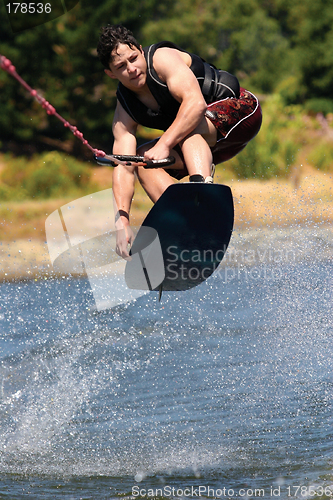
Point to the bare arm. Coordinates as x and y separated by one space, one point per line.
183 86
124 129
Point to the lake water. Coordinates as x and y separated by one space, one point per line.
223 391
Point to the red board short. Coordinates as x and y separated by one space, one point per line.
237 122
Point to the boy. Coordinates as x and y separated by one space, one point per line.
205 116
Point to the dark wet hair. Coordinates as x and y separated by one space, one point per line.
110 37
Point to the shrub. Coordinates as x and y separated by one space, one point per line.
273 151
49 175
321 156
319 105
6 193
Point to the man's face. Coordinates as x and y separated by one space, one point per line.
129 66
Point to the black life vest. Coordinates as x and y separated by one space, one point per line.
215 85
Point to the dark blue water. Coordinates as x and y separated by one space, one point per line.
227 387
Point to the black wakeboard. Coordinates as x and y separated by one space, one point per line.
183 238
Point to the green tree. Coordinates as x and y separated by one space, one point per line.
271 45
309 26
237 36
59 59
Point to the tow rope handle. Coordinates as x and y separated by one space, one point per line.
130 160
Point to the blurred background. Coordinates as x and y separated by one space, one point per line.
226 385
280 50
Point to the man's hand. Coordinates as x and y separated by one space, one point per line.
125 237
157 152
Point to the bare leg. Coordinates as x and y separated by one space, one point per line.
197 155
196 148
156 180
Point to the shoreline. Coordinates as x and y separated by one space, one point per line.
29 260
259 206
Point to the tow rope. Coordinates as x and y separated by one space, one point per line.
7 66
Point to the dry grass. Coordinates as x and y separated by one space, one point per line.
26 219
23 251
277 202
